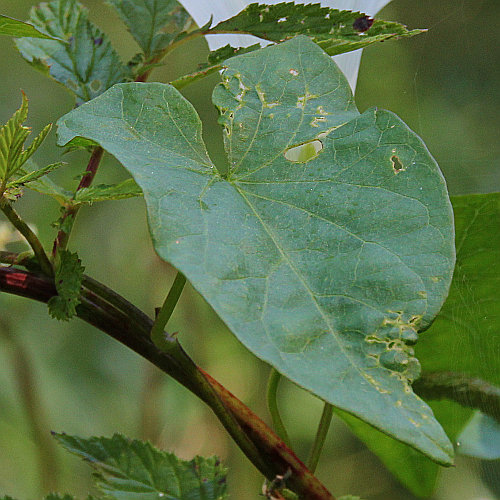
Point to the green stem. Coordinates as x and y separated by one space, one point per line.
272 405
471 392
163 316
319 440
30 236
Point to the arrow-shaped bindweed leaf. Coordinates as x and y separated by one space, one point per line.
325 248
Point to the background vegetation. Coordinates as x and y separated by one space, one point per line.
444 84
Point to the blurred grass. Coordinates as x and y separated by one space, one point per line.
444 84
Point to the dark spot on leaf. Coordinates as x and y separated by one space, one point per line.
98 41
362 24
397 166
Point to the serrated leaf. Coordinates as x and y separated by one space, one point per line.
34 175
13 135
465 337
44 185
130 469
336 31
68 281
323 268
104 192
153 24
87 64
220 55
13 27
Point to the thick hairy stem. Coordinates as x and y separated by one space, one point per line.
118 318
468 391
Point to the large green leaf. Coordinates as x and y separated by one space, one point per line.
336 31
324 262
87 64
153 24
13 27
129 469
465 337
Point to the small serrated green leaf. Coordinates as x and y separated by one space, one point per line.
126 468
12 138
19 29
336 31
153 24
34 175
85 63
104 192
68 281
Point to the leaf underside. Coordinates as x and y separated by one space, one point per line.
324 262
86 63
126 469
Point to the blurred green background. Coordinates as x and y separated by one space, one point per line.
444 84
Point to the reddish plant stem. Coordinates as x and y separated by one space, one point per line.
118 318
71 211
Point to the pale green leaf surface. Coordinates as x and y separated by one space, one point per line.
465 337
480 438
336 31
85 63
152 23
325 269
133 470
13 27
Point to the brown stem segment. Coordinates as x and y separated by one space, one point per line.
118 318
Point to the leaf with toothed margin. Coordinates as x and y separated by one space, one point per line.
13 27
126 469
153 24
321 247
85 63
336 31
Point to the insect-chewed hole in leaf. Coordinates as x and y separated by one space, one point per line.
397 166
304 152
